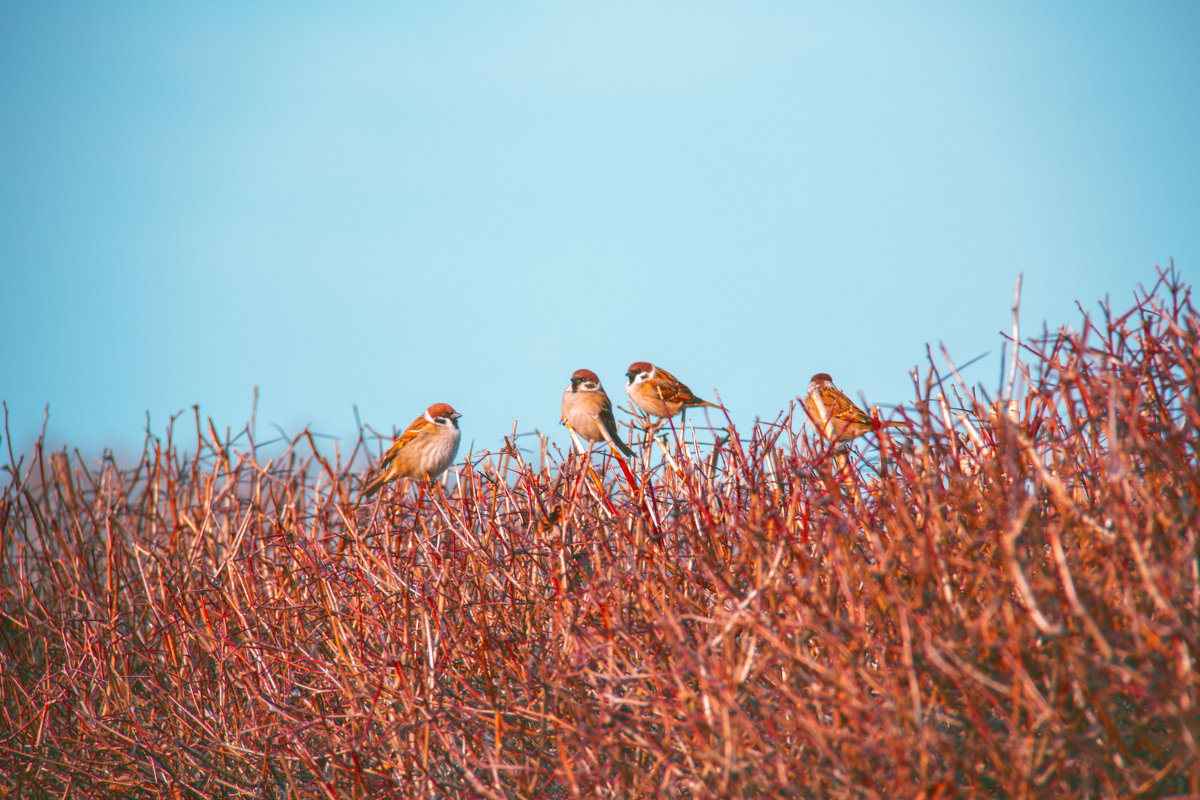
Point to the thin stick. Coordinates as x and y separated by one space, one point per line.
1016 339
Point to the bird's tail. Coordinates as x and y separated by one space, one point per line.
373 487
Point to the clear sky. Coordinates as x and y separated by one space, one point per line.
395 204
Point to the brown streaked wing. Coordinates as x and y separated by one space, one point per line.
605 415
673 390
415 427
839 406
608 423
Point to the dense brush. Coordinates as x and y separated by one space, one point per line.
1000 600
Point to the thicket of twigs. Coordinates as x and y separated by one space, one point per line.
985 607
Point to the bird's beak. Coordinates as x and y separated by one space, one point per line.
455 415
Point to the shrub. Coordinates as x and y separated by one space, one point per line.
988 605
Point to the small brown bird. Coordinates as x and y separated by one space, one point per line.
658 392
587 409
834 414
424 450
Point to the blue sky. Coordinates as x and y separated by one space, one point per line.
395 204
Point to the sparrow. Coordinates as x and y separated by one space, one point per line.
424 450
658 392
836 416
587 409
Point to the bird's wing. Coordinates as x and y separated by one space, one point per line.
841 407
673 390
411 432
608 425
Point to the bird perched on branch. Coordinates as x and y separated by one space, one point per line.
588 411
425 449
658 392
834 414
